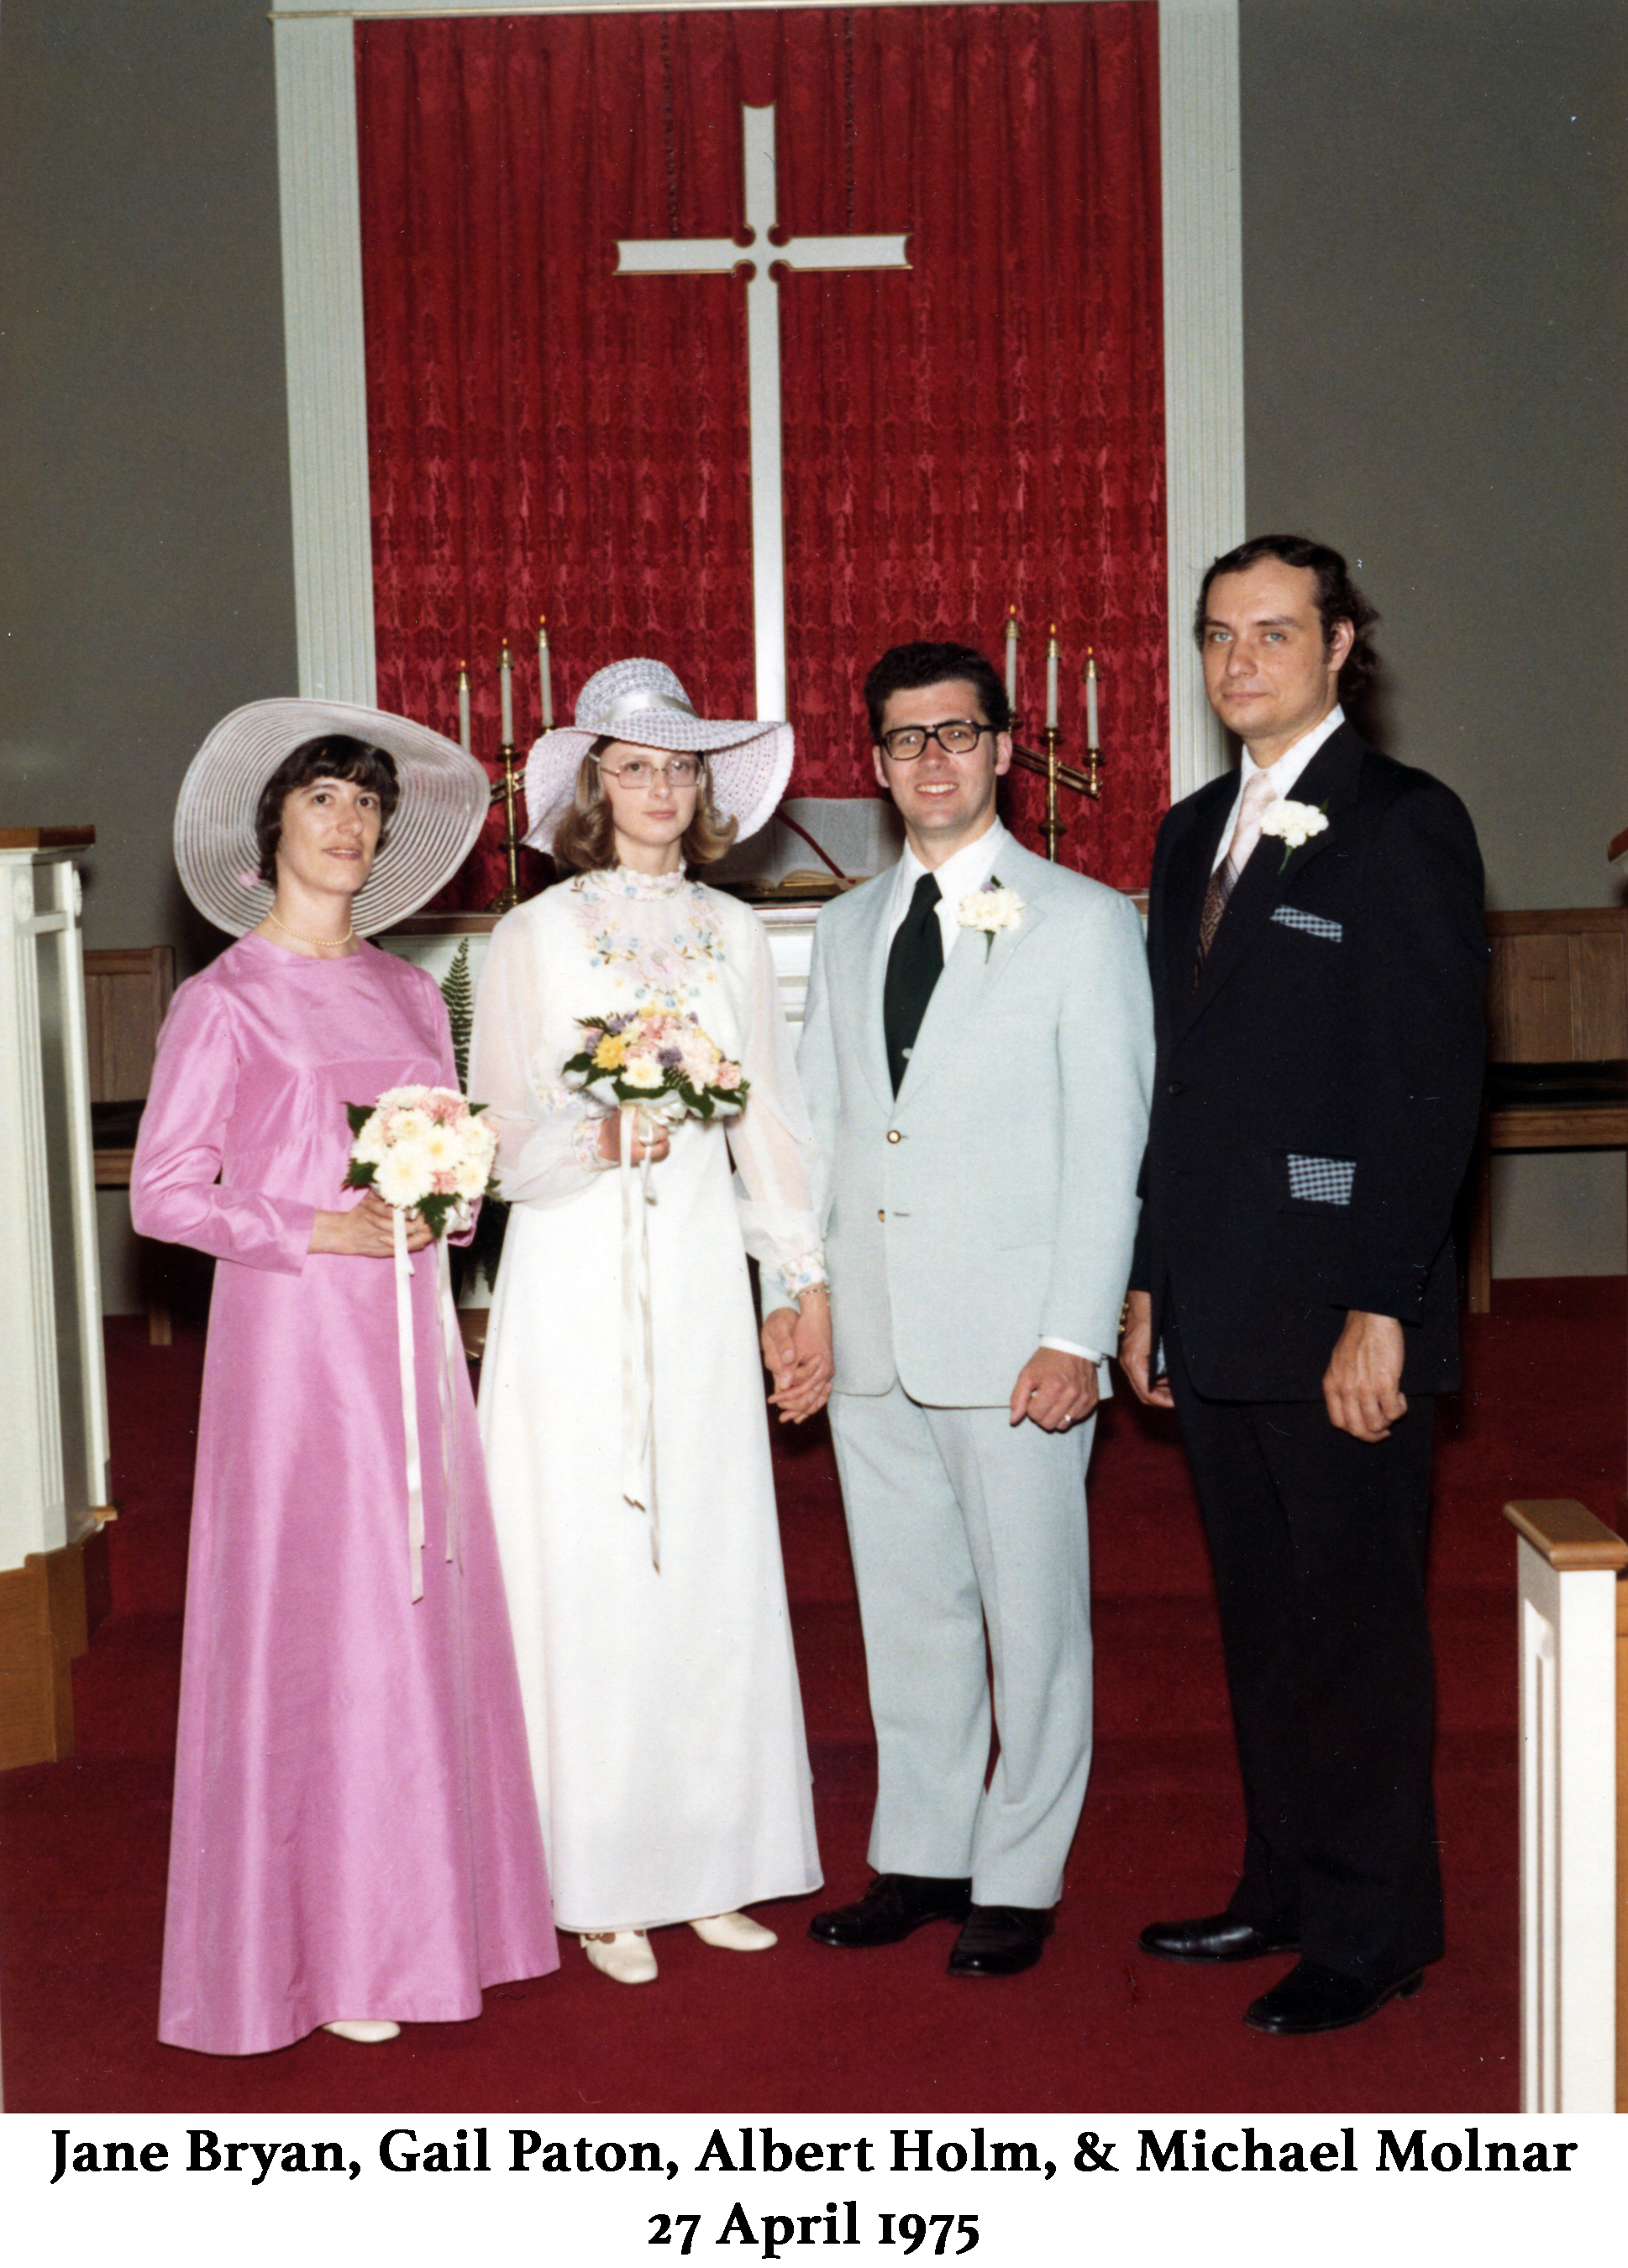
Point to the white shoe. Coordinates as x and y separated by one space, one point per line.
365 2029
624 1954
734 1933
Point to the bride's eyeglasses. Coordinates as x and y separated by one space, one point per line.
636 773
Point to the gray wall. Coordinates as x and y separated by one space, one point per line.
1435 333
146 569
1436 315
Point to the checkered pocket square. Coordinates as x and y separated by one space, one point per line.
1313 925
1320 1181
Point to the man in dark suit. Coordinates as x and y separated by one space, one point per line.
1318 961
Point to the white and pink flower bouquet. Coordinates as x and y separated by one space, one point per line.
424 1150
657 1061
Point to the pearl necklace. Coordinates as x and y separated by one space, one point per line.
316 943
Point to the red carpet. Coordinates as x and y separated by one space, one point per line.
804 2028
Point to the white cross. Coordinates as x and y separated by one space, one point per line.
715 255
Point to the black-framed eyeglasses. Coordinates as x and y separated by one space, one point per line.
957 736
639 772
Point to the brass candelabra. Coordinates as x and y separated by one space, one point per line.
503 790
1057 774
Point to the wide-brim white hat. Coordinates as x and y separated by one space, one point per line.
444 795
642 702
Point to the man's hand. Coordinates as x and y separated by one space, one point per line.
1136 1355
1056 1389
797 1353
778 1339
1362 1385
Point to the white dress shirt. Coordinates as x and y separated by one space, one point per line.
1283 775
968 869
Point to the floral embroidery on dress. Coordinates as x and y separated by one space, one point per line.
623 882
585 1142
670 968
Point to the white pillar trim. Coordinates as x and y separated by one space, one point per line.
56 1398
1198 142
327 376
325 358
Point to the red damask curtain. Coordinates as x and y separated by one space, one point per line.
548 437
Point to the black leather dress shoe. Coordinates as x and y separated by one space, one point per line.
892 1906
1313 1999
1000 1940
1213 1937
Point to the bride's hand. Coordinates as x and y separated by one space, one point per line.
610 1141
365 1231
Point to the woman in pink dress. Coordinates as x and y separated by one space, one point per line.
355 1844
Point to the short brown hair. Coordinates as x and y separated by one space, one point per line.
585 839
336 756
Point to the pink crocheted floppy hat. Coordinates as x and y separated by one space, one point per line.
643 702
444 797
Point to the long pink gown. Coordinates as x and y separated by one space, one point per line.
355 1833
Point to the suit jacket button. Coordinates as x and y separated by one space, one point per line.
881 1216
1176 1086
893 1134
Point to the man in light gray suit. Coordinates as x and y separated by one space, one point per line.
976 1054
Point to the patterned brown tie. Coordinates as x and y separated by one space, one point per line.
1259 792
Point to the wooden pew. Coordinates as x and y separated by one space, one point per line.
1557 1050
127 997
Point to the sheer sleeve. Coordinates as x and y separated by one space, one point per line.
779 1172
176 1195
546 1133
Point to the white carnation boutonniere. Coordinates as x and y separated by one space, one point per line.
991 909
1293 823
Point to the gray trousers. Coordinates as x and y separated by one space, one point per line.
962 1524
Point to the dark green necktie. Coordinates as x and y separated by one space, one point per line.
915 964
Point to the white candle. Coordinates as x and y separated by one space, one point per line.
545 680
1052 682
463 707
1091 700
505 679
1012 657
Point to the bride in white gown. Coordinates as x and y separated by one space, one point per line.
659 1685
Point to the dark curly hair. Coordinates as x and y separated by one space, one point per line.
1337 598
336 756
909 669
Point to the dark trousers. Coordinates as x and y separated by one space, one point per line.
1318 1546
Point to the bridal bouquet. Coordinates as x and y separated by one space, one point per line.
660 1064
424 1150
657 1061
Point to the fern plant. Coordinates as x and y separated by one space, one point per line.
458 994
485 1248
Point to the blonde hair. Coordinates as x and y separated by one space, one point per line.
585 839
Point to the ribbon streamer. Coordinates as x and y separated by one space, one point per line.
451 1354
410 1402
638 1446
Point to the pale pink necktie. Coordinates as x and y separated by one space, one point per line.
1258 794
